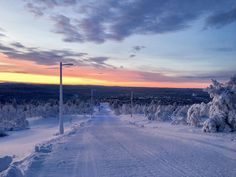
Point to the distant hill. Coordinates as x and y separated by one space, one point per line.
43 93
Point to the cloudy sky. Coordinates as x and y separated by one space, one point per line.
151 43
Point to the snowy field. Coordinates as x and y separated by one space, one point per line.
120 146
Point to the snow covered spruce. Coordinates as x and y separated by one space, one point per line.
14 116
219 115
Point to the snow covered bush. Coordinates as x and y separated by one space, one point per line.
139 109
150 111
12 117
51 109
159 112
222 111
125 109
179 116
217 115
197 113
164 112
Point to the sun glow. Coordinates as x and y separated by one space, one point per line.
45 79
48 79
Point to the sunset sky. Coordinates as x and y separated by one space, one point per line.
150 43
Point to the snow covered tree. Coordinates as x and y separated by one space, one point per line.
12 117
125 109
222 112
164 112
151 110
197 113
180 115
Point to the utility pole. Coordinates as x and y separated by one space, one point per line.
61 126
131 103
91 102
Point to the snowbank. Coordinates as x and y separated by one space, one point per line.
43 148
5 162
2 133
12 171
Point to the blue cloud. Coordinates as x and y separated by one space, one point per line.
221 19
138 48
19 51
99 21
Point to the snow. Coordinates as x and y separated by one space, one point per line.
224 143
44 148
197 113
12 117
219 115
118 146
21 143
5 162
13 171
222 111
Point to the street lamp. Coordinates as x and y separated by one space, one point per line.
61 126
91 102
131 103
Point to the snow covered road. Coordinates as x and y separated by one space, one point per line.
107 147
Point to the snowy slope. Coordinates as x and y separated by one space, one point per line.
107 146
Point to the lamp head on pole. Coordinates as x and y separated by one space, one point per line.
67 64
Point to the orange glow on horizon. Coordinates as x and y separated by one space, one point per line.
22 71
46 79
